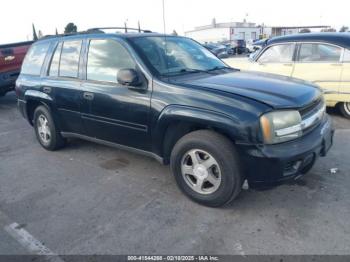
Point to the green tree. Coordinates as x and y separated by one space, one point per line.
305 30
70 28
35 36
344 29
330 29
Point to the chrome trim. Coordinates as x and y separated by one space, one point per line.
306 123
288 130
107 143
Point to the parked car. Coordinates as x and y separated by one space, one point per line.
172 99
220 51
239 46
322 58
11 58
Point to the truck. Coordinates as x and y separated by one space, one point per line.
11 58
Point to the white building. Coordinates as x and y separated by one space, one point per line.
222 32
225 32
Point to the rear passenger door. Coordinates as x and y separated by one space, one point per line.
276 59
111 111
64 84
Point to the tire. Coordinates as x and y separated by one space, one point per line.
48 136
345 109
2 94
224 171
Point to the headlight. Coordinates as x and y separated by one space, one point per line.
281 126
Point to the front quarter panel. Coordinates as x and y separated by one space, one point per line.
237 117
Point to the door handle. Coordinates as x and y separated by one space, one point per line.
336 64
88 96
288 64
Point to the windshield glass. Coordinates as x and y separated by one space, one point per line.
175 55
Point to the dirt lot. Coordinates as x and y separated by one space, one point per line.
91 199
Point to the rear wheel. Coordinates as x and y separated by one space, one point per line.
206 168
345 109
46 131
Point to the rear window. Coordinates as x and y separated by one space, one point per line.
69 64
35 58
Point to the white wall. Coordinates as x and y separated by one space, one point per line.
219 34
237 34
210 35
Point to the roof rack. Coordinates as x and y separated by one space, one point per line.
126 29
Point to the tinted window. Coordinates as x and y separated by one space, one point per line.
105 59
55 62
175 55
347 55
278 54
69 64
35 58
319 53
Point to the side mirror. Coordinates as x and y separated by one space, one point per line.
128 77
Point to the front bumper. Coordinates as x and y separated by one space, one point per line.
271 164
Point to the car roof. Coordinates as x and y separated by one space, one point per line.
341 39
102 35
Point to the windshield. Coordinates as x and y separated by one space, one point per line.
175 55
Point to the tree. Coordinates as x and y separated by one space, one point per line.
305 30
174 32
329 29
40 34
70 28
344 29
35 36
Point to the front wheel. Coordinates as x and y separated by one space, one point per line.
206 168
345 109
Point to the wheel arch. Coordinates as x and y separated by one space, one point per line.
34 99
176 121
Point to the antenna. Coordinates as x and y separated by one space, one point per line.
164 29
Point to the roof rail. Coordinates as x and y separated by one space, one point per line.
126 29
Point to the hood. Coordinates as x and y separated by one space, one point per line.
273 90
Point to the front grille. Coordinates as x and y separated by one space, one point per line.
311 111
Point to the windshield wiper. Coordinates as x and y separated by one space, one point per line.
219 68
186 71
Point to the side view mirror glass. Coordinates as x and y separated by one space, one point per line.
129 77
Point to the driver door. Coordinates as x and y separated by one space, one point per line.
276 59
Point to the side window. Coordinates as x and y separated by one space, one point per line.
278 54
105 59
69 64
35 58
55 61
346 55
319 53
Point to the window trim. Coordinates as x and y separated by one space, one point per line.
281 43
78 77
341 57
47 73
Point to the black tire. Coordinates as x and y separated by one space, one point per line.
55 140
344 108
224 152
